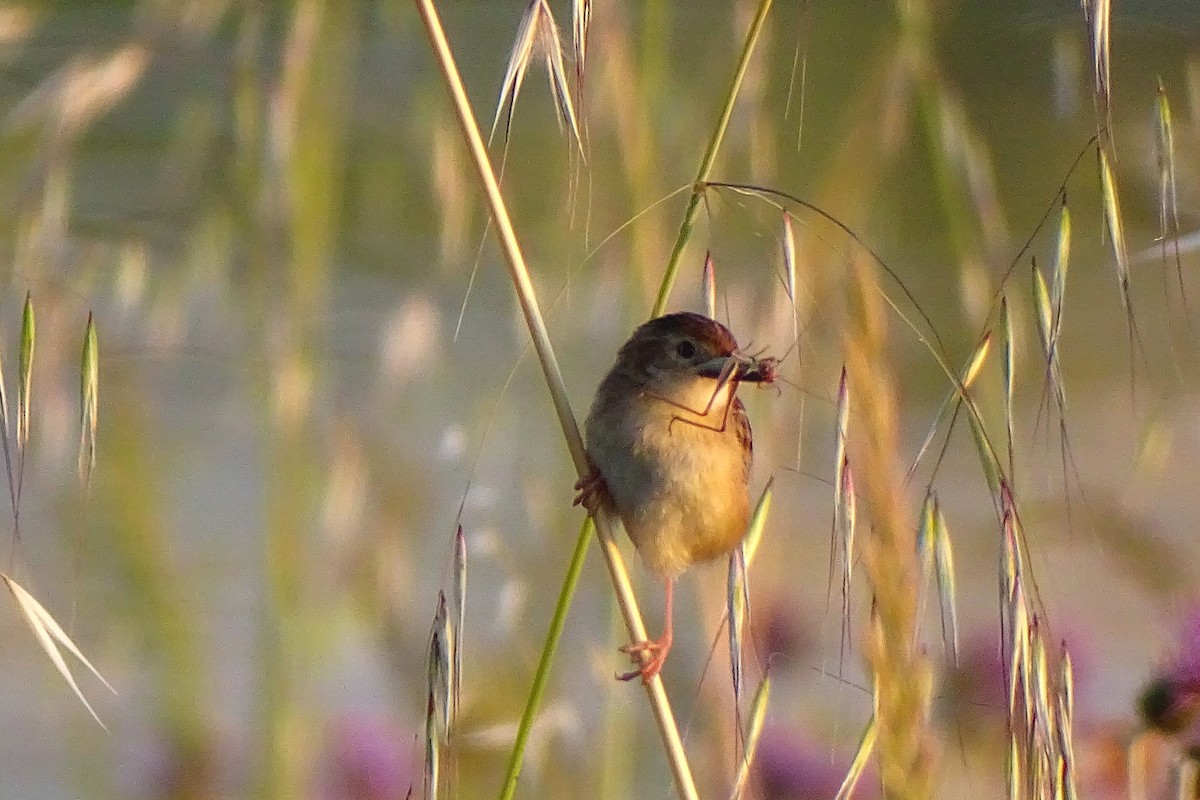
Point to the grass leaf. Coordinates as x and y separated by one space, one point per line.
52 637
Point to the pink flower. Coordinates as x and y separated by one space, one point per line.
369 758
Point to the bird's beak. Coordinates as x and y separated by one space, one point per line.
735 367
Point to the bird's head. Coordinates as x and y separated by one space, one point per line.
685 348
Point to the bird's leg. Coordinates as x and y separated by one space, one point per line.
729 378
724 417
656 649
592 490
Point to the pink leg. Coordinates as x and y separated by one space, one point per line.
656 649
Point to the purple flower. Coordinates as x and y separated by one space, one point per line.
791 767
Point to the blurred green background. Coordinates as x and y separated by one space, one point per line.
311 360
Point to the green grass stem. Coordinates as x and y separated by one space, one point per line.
542 674
527 298
709 159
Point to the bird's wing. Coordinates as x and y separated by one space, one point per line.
745 436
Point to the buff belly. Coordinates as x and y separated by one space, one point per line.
661 473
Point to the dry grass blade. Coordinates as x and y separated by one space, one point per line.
1043 302
432 748
1008 368
1051 304
89 402
943 555
53 639
758 715
1040 673
866 746
846 517
758 522
440 672
1041 699
710 286
737 599
843 423
1062 260
1168 202
987 456
1018 662
25 373
537 36
789 268
840 436
937 560
1066 722
977 360
460 614
969 374
1116 227
1168 197
1044 307
1012 607
737 590
581 24
1014 770
925 533
1098 15
518 63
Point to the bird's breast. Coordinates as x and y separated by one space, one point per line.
677 475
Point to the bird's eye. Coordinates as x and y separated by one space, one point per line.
685 349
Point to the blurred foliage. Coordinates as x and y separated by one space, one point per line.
268 212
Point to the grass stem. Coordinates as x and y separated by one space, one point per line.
709 159
527 298
540 677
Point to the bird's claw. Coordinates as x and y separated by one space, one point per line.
656 649
591 490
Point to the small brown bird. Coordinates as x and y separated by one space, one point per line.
671 447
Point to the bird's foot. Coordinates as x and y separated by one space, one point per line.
592 491
657 649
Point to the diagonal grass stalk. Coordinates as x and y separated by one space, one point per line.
709 159
668 729
540 676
